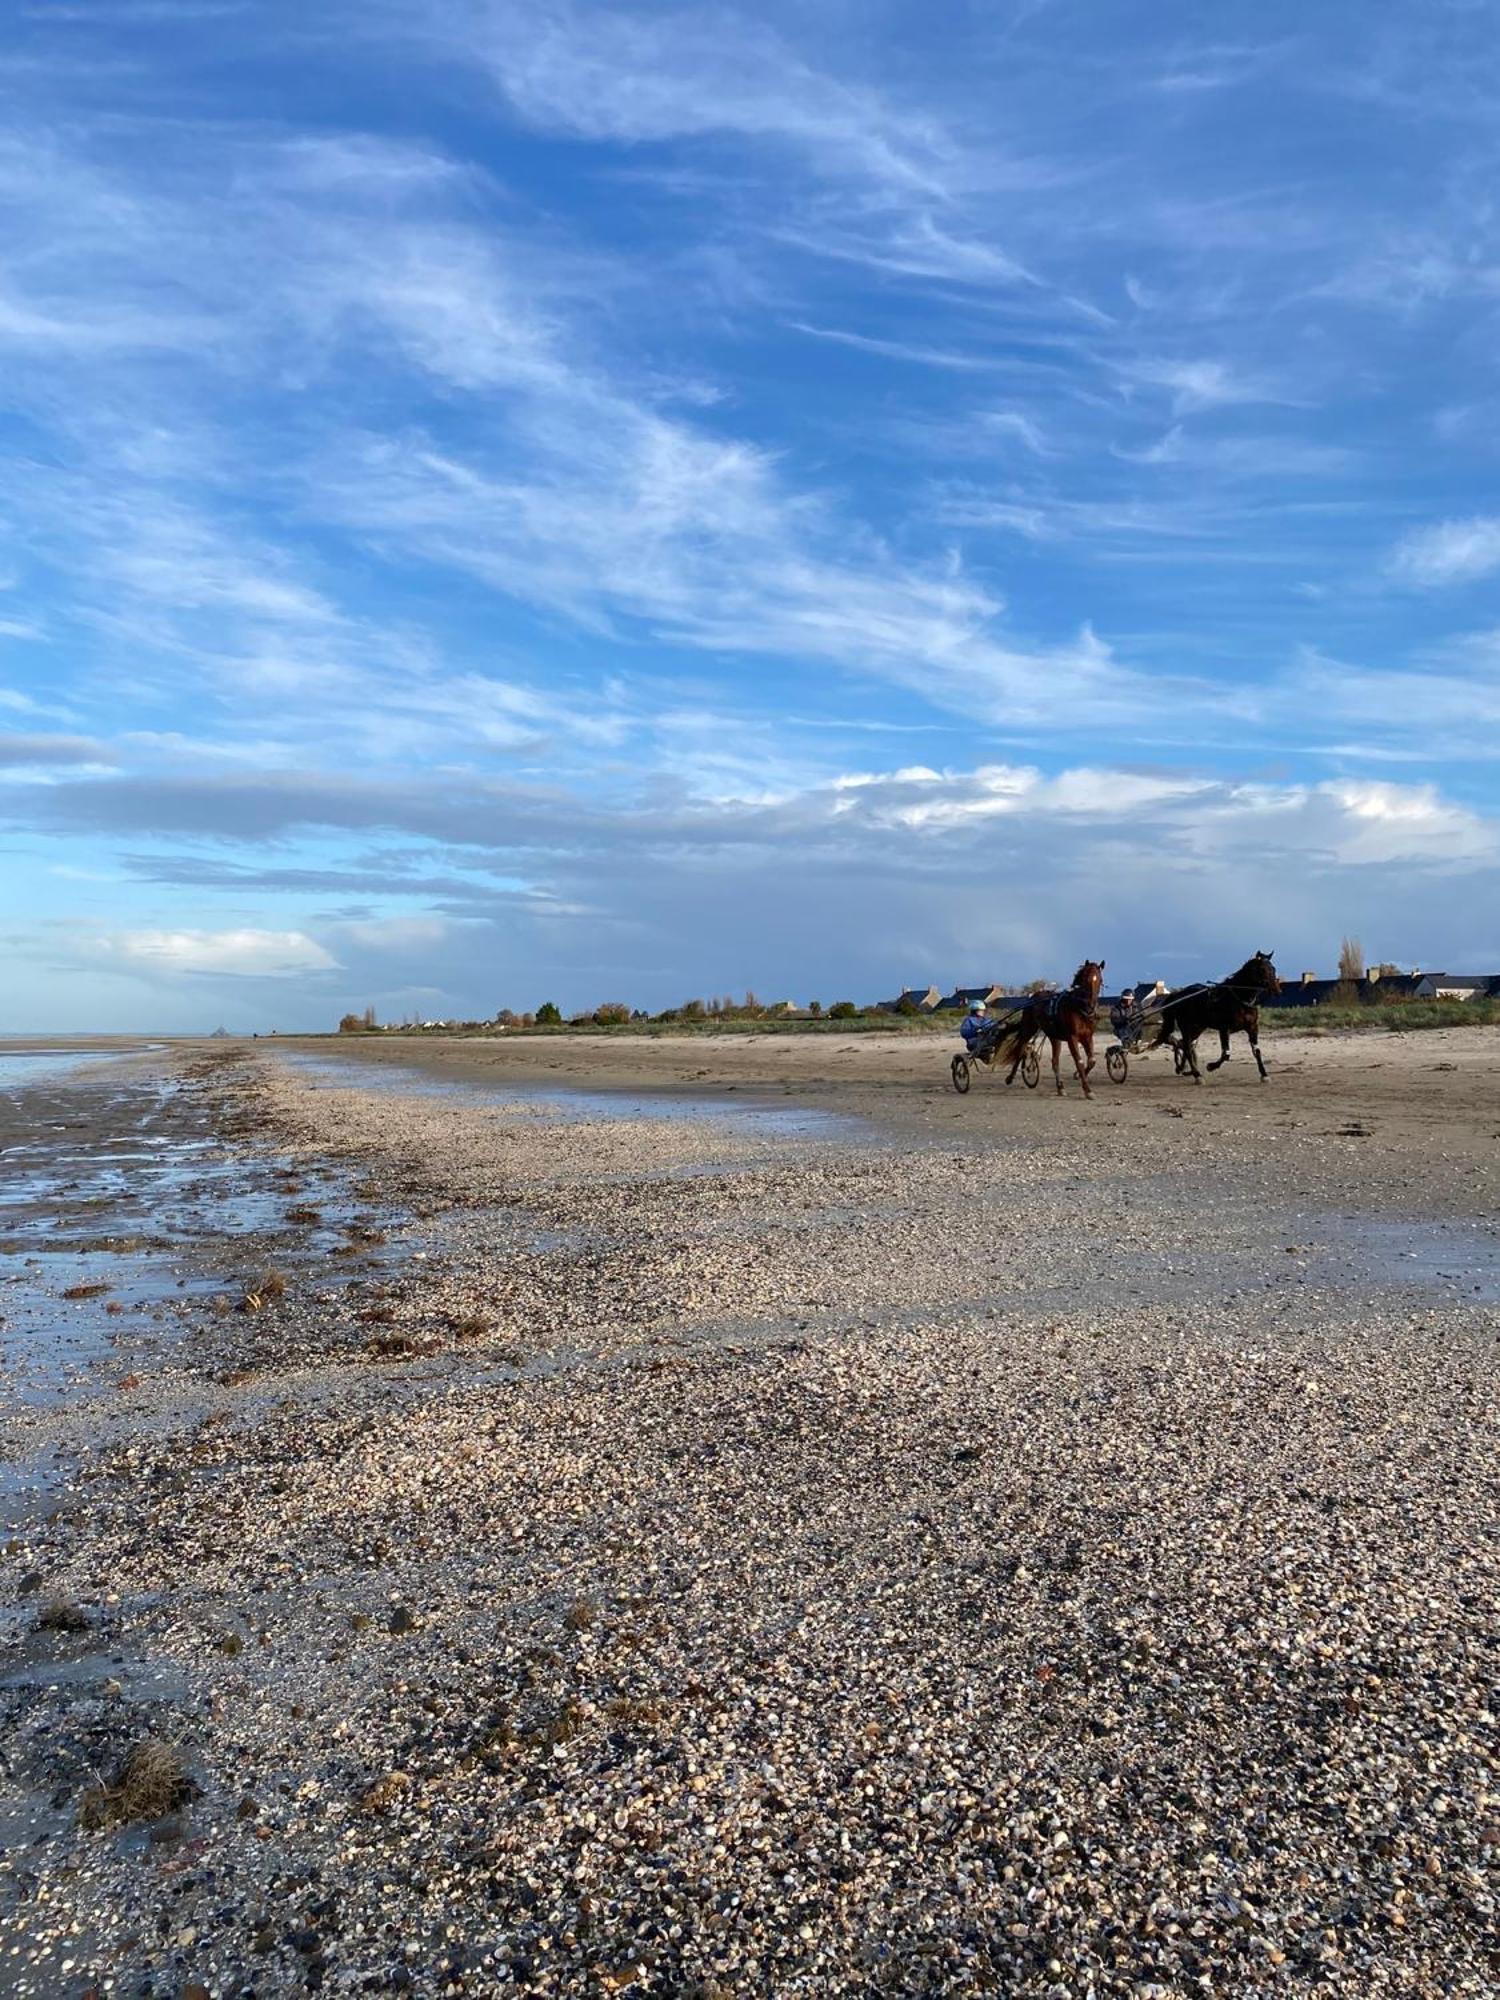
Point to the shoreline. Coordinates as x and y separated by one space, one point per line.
684 1559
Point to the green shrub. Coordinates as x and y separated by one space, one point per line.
548 1015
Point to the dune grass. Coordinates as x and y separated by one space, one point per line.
1399 1017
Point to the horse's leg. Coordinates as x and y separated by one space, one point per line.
1254 1037
1223 1051
1190 1056
1056 1052
1087 1038
1076 1052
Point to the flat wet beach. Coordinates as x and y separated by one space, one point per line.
729 1522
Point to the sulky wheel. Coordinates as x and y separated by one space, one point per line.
1116 1062
1031 1069
961 1074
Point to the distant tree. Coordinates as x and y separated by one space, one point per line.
694 1010
548 1015
1037 986
1385 970
815 1008
506 1018
611 1013
1351 960
751 1006
370 1019
842 1010
353 1024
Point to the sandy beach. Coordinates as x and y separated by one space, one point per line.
727 1516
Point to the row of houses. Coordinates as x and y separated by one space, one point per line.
1308 991
928 1000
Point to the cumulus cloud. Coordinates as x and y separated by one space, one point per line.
848 882
916 810
254 954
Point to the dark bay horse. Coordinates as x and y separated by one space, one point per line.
1061 1017
1232 1007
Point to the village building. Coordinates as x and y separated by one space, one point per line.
916 999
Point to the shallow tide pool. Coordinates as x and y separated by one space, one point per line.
563 1102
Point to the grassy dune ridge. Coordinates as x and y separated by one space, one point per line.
1398 1017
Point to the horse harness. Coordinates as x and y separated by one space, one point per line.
1052 1005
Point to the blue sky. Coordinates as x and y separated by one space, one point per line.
509 501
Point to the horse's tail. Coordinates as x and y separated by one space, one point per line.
1015 1035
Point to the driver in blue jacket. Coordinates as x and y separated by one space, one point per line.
973 1025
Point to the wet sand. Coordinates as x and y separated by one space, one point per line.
1429 1101
1000 1545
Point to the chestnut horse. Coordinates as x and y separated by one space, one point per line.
1232 1007
1061 1017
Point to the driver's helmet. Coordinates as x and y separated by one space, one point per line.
977 1008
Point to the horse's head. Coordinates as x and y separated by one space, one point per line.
1089 978
1256 976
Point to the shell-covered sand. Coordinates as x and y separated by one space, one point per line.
1006 1545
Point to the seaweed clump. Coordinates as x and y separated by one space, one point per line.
150 1784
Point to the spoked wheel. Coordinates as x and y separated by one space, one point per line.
961 1075
1031 1069
1116 1062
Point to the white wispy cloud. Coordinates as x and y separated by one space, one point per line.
1204 384
909 247
576 494
721 74
624 513
893 350
1213 66
1450 552
606 73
